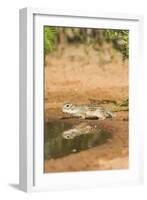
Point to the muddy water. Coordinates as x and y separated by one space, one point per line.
56 146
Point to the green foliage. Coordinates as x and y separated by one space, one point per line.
54 36
122 105
120 39
49 39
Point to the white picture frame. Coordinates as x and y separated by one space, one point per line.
31 175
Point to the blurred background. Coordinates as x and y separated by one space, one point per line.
96 38
82 64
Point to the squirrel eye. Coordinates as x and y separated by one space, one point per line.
67 105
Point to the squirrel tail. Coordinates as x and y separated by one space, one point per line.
111 114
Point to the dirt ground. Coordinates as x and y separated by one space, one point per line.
75 75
